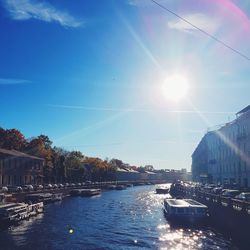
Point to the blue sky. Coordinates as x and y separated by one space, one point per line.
89 74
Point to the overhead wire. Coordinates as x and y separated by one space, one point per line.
202 31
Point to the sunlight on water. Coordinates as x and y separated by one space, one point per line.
128 219
170 237
179 239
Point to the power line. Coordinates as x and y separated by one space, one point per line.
202 31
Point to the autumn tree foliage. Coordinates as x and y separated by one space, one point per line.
60 165
99 170
12 139
40 146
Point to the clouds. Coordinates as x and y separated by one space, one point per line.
204 22
13 81
33 9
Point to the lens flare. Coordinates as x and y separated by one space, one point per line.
175 88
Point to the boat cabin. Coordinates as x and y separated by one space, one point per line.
184 209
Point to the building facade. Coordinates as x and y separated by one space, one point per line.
123 174
17 168
223 155
200 161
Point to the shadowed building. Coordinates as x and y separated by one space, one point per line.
17 168
200 161
223 155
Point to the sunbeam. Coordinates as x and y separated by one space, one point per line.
140 42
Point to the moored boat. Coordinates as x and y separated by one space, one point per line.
177 189
111 187
43 197
120 187
11 213
185 210
75 192
36 208
129 185
56 197
39 197
139 184
90 192
162 190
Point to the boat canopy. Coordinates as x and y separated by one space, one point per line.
7 205
184 203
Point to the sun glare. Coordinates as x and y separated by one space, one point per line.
175 88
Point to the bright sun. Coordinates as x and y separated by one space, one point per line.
175 87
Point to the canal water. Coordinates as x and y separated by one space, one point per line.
127 219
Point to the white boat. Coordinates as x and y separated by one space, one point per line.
185 210
36 208
13 212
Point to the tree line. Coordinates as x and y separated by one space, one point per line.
63 165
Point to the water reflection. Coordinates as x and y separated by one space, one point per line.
180 237
127 219
19 233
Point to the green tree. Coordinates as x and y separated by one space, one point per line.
74 166
58 162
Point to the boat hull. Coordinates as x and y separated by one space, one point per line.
162 190
185 210
121 187
184 219
90 192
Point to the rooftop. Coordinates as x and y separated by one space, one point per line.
15 153
184 203
243 110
